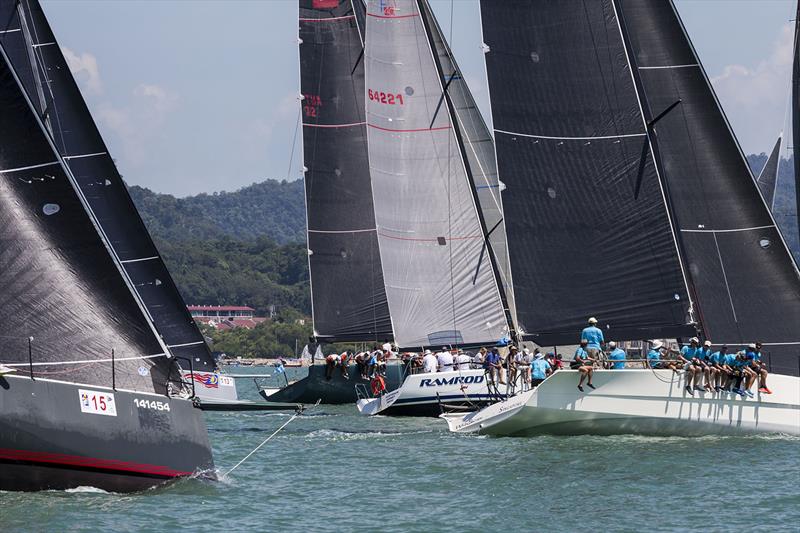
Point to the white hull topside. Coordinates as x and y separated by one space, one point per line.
646 402
420 392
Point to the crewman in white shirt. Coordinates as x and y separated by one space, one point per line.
429 362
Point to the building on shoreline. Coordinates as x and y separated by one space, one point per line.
226 316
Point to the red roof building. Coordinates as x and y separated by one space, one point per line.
226 316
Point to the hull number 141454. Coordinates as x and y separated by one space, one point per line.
151 404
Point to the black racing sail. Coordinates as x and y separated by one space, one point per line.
588 228
68 308
347 287
746 282
768 177
38 60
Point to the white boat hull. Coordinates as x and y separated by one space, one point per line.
648 402
422 394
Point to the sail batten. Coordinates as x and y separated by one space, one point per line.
441 288
347 291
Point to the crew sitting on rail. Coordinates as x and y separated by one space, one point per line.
492 364
584 364
654 356
692 366
616 357
540 369
722 374
761 371
706 366
594 336
755 368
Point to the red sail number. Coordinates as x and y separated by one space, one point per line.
385 98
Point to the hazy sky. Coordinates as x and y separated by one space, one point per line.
201 95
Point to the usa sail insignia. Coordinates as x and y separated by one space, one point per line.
425 234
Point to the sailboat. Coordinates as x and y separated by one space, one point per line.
628 198
348 299
430 153
97 397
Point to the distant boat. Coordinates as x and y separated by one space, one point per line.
97 397
628 198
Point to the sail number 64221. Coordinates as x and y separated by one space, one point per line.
385 98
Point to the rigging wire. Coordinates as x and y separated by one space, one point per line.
294 141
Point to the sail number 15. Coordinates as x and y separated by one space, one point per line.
385 98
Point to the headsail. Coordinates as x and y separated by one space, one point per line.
768 177
441 285
588 229
746 283
348 296
59 281
38 60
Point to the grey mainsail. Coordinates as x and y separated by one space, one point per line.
347 291
441 286
38 60
768 177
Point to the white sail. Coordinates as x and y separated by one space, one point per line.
440 284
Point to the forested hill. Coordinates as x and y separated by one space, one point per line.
273 209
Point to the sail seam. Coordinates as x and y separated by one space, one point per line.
433 239
333 125
571 138
329 19
20 169
195 343
392 16
726 230
343 231
87 361
81 156
725 277
417 130
10 31
39 45
670 66
139 259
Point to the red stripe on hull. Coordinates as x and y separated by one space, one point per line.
90 462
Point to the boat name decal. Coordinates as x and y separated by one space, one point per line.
97 403
437 382
151 404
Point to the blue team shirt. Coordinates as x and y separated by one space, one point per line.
539 368
730 360
752 356
580 353
491 358
719 358
704 354
617 355
689 353
653 356
594 335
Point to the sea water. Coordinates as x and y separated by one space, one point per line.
335 470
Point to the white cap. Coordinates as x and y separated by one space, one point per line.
707 343
657 344
752 346
527 350
612 344
540 355
428 352
593 320
695 340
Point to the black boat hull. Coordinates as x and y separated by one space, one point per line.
337 390
49 440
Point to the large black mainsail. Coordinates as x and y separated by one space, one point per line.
38 60
746 283
768 177
588 229
347 286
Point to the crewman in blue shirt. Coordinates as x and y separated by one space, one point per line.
583 364
654 355
594 336
491 365
691 365
752 367
762 371
707 368
722 375
540 369
617 356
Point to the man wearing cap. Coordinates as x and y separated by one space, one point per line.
594 335
617 356
540 369
754 369
691 364
477 360
461 360
761 371
524 361
654 355
707 367
445 360
722 370
429 362
583 364
511 364
491 365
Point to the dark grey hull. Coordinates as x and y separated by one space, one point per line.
336 390
47 442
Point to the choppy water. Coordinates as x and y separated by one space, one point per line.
334 470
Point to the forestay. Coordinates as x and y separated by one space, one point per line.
746 284
441 288
588 227
348 296
38 60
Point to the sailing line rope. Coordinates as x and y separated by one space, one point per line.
246 457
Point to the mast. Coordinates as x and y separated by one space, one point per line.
347 287
427 15
796 117
58 101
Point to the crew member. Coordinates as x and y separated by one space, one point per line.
445 360
654 355
461 360
723 371
704 357
540 369
429 362
594 336
762 372
617 356
583 364
491 365
691 365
